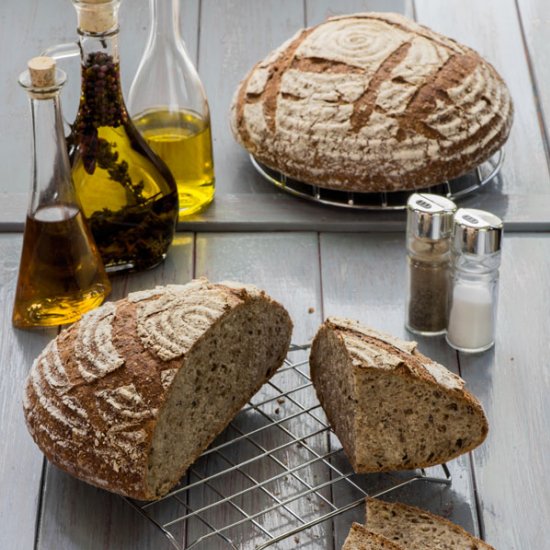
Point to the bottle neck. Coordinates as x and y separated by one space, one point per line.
51 170
165 16
101 101
106 44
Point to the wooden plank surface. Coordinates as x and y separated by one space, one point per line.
535 20
363 278
492 28
77 515
235 35
20 460
513 383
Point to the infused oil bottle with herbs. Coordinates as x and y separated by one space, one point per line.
61 275
127 192
169 107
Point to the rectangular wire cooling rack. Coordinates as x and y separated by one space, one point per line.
277 477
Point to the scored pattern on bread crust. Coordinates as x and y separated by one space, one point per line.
169 323
372 102
371 354
95 353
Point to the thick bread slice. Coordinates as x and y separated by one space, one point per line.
360 538
391 407
129 397
413 528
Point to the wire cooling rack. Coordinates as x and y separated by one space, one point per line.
276 478
453 189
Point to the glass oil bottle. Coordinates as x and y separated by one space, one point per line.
128 194
169 107
61 275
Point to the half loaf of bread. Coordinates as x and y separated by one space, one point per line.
412 528
129 397
391 407
372 102
360 538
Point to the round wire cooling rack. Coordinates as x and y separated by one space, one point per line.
453 189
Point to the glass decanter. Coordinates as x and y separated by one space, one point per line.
169 107
61 275
128 194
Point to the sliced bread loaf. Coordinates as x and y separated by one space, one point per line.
413 528
129 397
360 538
391 407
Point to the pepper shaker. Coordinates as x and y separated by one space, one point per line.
477 237
429 227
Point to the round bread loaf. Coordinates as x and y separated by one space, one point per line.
129 397
372 102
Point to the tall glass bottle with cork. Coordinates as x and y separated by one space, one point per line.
169 107
128 194
61 275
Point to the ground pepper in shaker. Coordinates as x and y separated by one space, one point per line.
477 237
429 227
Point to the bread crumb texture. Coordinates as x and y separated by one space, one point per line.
413 528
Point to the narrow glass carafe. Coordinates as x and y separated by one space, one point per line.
128 194
61 274
169 107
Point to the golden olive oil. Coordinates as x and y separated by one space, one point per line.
60 278
182 139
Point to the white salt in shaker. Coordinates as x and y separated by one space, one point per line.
477 237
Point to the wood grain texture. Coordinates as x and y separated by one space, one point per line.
77 515
535 21
363 278
20 460
492 28
235 35
513 383
286 265
319 10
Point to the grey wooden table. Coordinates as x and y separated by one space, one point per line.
317 261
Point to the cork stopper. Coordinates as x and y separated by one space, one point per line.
97 16
42 71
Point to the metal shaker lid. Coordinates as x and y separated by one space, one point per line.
477 232
430 216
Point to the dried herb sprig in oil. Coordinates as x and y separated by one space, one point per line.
101 106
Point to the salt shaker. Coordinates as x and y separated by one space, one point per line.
477 237
429 227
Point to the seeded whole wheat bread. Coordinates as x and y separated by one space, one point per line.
391 407
414 529
372 102
128 398
360 538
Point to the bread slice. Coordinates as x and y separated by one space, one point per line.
413 528
360 538
391 407
129 397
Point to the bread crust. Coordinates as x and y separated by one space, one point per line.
360 538
400 358
372 102
93 396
